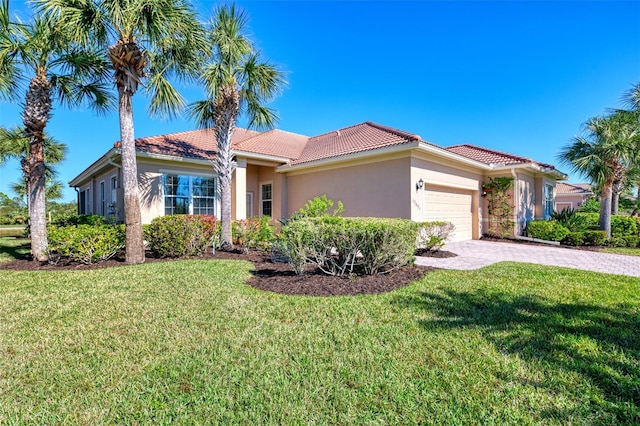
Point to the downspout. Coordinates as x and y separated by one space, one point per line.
516 202
77 199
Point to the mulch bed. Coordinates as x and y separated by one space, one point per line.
270 276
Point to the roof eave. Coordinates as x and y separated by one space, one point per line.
453 156
97 165
532 166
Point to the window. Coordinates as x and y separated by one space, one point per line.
249 204
548 201
266 199
82 202
184 194
102 200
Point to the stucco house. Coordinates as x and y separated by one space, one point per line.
376 171
572 195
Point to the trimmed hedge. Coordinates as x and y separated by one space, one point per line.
621 226
181 235
343 246
547 230
85 243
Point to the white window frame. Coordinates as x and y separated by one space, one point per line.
549 199
191 174
269 182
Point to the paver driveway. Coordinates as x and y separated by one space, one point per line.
477 253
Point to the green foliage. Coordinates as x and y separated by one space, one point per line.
575 238
81 219
343 246
254 233
594 238
590 206
570 219
434 235
181 235
621 226
498 205
319 206
547 230
85 243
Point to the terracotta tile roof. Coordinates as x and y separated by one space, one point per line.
573 188
274 142
361 137
490 156
198 144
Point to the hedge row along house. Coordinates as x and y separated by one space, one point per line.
376 171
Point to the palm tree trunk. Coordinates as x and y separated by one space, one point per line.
605 208
35 117
134 247
226 109
615 201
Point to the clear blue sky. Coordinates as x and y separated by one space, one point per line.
514 76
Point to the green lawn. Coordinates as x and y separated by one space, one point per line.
13 247
188 342
622 250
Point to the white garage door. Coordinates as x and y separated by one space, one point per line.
451 205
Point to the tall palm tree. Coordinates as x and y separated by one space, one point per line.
236 82
14 143
144 40
58 71
602 154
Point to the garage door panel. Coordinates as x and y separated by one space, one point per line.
451 205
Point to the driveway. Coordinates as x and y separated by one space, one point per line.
475 254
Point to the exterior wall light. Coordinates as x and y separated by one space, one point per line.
419 184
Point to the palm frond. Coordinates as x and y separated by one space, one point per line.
166 101
203 113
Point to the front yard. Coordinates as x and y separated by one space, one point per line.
188 341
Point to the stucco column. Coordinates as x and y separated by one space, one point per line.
240 189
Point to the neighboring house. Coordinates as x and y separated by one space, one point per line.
376 171
572 195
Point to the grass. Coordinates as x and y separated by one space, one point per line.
188 342
622 250
13 247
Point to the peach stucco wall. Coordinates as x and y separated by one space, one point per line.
381 188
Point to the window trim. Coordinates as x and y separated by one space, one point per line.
191 174
549 200
249 206
267 182
102 195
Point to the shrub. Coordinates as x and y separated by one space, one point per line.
181 235
80 219
590 206
632 240
574 239
621 226
253 233
594 238
547 230
616 242
570 219
319 207
434 235
85 243
342 246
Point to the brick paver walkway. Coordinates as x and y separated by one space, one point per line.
477 253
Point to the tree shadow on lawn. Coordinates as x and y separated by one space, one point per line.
22 251
600 344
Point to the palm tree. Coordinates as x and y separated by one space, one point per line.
14 143
59 70
603 155
144 40
236 82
